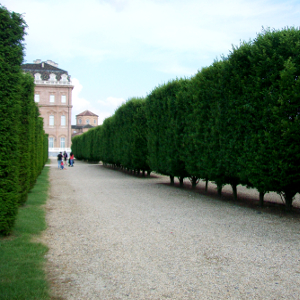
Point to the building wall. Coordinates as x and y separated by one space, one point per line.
57 109
79 131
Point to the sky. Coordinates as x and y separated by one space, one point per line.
118 49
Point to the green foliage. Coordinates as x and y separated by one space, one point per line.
166 123
270 104
20 130
120 140
203 125
26 135
11 55
235 122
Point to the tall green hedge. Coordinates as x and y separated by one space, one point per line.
234 122
165 130
26 135
11 56
22 152
120 140
202 152
271 157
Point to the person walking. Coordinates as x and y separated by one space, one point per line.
71 159
65 157
59 159
62 166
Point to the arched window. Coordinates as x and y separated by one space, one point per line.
51 120
51 142
37 76
79 121
62 142
63 120
52 77
87 121
64 77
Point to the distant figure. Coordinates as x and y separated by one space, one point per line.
62 165
71 159
59 159
65 156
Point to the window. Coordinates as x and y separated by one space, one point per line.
37 98
64 77
63 120
37 76
51 142
87 121
94 121
62 142
52 77
79 121
63 98
52 98
51 120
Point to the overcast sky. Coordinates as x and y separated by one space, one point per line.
118 49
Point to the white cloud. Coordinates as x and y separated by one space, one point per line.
103 108
79 104
107 107
133 29
111 102
119 5
162 38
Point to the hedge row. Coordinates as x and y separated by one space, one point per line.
121 140
23 143
235 122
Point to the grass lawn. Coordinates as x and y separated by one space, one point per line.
21 259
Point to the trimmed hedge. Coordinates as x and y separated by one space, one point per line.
235 122
165 130
22 146
121 140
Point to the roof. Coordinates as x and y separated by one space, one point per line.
82 126
43 66
45 69
87 113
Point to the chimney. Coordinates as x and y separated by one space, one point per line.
52 63
42 65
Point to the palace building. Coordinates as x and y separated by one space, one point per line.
53 95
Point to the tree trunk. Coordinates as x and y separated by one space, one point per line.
194 182
234 190
289 197
206 185
219 187
143 173
261 199
171 180
148 173
181 180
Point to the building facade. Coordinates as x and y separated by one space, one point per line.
84 121
53 95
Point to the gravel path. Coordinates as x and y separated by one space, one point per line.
115 236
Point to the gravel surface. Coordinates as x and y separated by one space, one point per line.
112 235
